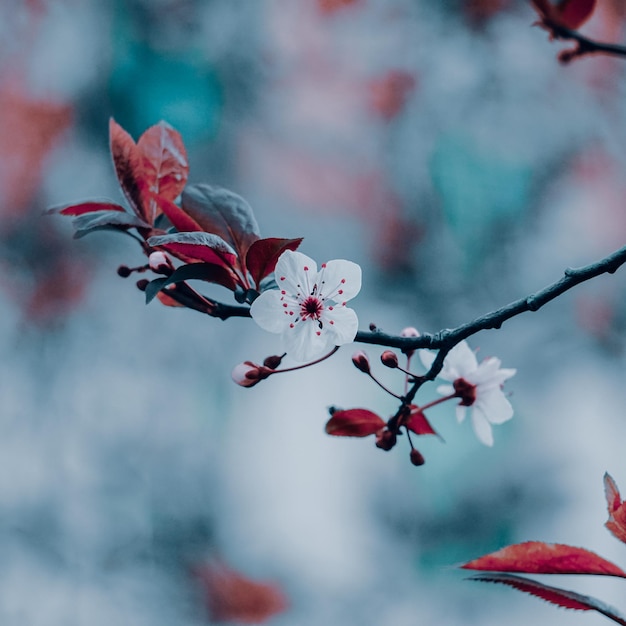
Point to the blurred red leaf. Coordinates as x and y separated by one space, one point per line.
354 423
128 167
418 423
164 165
537 557
231 597
569 13
388 94
617 509
560 597
263 254
331 6
29 129
86 207
168 300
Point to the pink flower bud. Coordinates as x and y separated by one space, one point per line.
389 359
160 263
409 331
273 361
361 361
416 458
248 374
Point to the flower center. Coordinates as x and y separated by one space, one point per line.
465 391
311 308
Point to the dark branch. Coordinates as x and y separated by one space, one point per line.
584 44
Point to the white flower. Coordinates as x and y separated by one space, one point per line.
478 385
309 307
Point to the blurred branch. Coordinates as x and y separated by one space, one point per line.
584 44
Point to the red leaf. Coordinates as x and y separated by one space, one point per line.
354 423
263 254
617 509
128 166
231 597
164 166
197 246
86 207
560 597
569 13
179 219
574 13
223 213
536 557
168 300
418 423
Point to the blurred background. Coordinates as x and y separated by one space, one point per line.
438 144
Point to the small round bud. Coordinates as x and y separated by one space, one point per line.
409 331
142 284
160 263
389 359
416 458
123 271
248 374
373 327
386 439
361 361
273 361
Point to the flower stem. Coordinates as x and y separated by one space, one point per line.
299 367
436 402
391 393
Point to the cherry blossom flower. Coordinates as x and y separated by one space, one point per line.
478 385
309 307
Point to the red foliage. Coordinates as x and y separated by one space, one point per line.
536 557
354 423
617 509
418 423
332 6
388 93
231 597
569 13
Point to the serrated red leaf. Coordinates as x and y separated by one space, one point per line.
617 509
86 207
537 557
164 165
354 423
223 213
128 167
182 222
197 246
574 13
418 423
263 254
561 597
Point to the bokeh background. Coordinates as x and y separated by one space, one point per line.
438 144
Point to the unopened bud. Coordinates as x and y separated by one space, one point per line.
389 359
123 271
248 374
373 327
361 361
416 458
142 284
273 361
160 263
386 439
409 331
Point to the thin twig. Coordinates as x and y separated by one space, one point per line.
584 44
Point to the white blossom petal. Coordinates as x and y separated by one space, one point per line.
461 412
459 362
427 357
495 406
341 280
342 323
482 427
304 342
267 312
290 273
445 390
